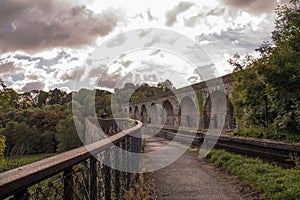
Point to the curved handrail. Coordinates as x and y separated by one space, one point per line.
17 179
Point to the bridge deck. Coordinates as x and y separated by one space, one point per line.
191 178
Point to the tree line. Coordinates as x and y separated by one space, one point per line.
43 122
266 90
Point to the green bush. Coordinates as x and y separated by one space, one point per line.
2 148
267 133
272 181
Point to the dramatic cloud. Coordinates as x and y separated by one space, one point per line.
35 25
9 68
33 86
253 6
43 63
75 74
171 16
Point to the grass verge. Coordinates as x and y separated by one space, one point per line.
272 181
268 133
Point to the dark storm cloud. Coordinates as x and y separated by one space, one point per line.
35 25
33 86
253 6
8 67
171 16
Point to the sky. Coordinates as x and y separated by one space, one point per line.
58 43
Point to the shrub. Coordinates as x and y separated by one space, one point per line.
267 133
272 181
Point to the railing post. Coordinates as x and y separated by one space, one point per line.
128 160
68 184
137 149
107 176
117 172
123 163
93 185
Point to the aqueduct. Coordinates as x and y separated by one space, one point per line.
204 105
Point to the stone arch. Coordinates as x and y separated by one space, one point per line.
130 112
167 117
136 112
155 114
144 114
215 109
188 113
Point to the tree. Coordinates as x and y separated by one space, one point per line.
42 98
280 67
248 92
67 136
271 82
21 139
166 85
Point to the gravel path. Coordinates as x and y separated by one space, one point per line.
192 178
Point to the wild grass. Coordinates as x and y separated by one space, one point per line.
18 161
272 182
268 133
141 190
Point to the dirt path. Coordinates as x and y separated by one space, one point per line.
192 178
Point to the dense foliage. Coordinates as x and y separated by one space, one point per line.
266 90
42 122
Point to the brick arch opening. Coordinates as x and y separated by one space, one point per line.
188 113
167 116
144 114
136 113
130 111
154 117
215 115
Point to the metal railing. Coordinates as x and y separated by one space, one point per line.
78 174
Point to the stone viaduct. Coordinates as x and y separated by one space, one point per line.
205 105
